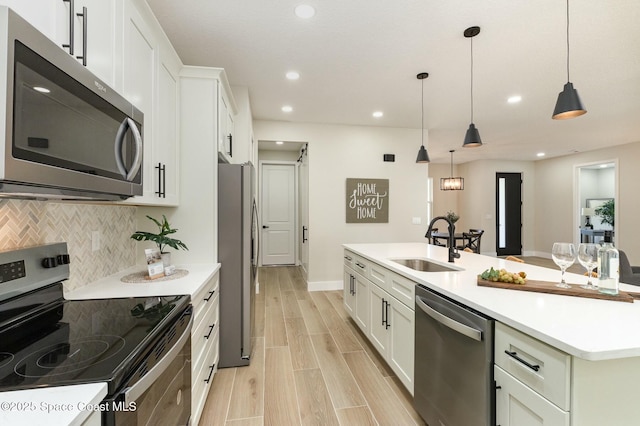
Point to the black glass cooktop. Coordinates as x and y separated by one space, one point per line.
82 341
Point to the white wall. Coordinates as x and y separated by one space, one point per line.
339 152
476 204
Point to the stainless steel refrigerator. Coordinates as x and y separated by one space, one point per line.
238 254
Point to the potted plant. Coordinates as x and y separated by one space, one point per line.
162 238
452 216
607 212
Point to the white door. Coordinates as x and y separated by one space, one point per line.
278 214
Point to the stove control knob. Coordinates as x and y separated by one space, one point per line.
49 262
63 259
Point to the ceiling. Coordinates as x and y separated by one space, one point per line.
359 56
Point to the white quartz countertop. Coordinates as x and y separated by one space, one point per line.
60 405
590 329
113 287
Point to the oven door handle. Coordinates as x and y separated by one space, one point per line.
134 392
449 322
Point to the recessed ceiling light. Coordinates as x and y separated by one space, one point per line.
540 154
514 99
378 114
41 89
304 11
279 142
287 108
293 75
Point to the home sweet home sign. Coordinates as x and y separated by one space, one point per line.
367 200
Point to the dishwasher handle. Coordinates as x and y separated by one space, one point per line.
449 322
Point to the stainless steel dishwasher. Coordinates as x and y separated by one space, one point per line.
453 362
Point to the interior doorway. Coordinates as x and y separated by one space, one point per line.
279 220
293 154
596 184
508 214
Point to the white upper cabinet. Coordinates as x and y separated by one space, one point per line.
150 73
226 129
50 17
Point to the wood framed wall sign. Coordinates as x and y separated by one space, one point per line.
367 200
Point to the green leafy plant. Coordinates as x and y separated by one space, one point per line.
161 238
607 212
452 216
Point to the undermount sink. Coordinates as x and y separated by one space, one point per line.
423 265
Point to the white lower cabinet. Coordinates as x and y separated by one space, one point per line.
519 405
204 344
387 322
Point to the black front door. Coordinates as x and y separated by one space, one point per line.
508 214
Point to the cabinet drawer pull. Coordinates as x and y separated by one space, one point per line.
208 379
211 327
211 293
515 356
348 258
359 265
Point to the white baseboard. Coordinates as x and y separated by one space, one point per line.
324 285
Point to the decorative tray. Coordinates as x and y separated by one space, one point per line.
550 287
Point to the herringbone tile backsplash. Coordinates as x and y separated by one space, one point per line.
25 223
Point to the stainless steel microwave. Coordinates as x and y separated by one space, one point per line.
67 135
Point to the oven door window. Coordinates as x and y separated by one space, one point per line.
59 122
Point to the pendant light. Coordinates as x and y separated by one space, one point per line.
452 183
568 104
472 138
423 157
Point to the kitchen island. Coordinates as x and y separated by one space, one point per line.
596 340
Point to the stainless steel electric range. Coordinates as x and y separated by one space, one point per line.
140 347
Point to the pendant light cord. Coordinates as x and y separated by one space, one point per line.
472 80
451 170
422 113
568 41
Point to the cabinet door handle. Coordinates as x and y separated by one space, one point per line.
515 356
84 36
382 314
162 183
304 234
211 327
208 379
211 293
386 309
230 137
71 25
353 279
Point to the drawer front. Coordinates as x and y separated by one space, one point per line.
379 275
361 266
402 289
204 298
517 404
202 377
541 367
204 331
348 259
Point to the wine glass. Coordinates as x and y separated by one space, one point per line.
588 257
563 254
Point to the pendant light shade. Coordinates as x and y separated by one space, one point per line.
568 104
452 183
472 138
423 156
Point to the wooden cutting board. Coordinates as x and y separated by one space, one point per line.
550 287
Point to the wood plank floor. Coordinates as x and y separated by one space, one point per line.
310 365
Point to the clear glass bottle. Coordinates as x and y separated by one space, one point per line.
608 266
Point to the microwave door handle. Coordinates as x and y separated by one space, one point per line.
126 124
134 392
